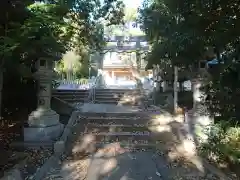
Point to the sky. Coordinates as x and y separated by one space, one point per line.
132 3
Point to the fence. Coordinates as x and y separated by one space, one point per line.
75 84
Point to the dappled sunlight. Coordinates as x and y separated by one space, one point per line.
171 128
179 118
35 116
160 120
164 128
86 144
110 150
115 95
112 129
108 166
79 164
186 149
129 98
81 168
75 170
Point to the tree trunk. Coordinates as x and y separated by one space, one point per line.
138 58
1 87
175 89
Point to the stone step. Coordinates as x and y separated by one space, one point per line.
111 115
131 134
113 118
142 144
129 145
119 136
73 100
125 121
117 128
96 101
115 94
70 91
116 90
115 100
118 125
109 96
70 94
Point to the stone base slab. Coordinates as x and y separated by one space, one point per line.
39 134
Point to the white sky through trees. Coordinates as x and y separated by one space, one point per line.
132 3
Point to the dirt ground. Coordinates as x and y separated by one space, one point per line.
173 132
10 130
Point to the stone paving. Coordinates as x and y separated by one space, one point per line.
118 146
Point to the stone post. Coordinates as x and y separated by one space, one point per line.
165 86
201 118
198 95
43 123
158 82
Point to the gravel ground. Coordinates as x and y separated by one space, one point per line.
35 160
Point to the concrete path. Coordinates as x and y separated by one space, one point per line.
113 143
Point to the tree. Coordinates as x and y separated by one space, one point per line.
12 15
30 31
206 30
201 25
73 66
129 26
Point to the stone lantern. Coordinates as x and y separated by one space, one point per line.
43 123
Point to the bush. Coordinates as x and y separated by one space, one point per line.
224 143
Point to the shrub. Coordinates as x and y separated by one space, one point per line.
224 143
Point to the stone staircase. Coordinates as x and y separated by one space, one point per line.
112 146
115 96
105 96
71 96
130 130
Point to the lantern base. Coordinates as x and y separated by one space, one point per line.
43 134
43 125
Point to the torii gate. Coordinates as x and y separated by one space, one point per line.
126 45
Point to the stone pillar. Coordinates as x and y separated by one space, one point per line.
158 85
113 75
43 123
165 86
201 118
198 95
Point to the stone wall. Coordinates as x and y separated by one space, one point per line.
61 107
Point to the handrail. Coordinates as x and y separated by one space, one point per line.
92 89
75 84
